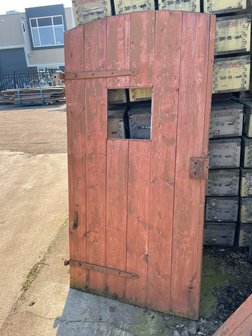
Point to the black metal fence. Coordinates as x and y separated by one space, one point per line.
22 80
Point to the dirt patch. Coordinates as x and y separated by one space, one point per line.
226 284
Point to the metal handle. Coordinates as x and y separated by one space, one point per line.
75 220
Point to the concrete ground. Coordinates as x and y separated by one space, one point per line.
49 308
33 192
35 299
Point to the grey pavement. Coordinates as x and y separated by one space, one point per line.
33 192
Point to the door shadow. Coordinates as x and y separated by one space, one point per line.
86 315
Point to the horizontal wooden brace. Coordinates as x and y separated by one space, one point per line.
101 269
96 74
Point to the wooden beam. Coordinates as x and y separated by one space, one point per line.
240 323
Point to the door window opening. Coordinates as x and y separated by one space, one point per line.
129 113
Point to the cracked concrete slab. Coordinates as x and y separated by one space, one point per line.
33 192
33 202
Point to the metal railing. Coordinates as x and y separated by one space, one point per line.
22 80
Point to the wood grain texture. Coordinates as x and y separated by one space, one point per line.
116 223
118 48
134 198
96 134
76 155
142 29
164 126
187 197
208 101
240 323
138 219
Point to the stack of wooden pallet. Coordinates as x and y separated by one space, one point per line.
34 96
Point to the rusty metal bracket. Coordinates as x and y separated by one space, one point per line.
96 74
101 269
199 167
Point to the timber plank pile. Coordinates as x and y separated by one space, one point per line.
33 96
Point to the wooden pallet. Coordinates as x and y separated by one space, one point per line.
34 96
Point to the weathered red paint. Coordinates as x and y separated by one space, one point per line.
139 210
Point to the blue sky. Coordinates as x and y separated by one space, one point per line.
20 5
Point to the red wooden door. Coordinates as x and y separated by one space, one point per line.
136 216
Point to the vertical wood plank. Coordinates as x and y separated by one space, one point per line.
164 125
187 198
96 134
138 219
76 154
118 48
142 28
212 30
116 224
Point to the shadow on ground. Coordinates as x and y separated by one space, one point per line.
86 314
225 285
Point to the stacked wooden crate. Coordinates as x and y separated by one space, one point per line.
232 45
245 227
222 201
89 10
231 75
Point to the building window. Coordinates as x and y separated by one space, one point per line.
47 31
